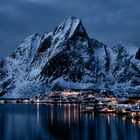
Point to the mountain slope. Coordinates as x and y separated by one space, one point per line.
68 59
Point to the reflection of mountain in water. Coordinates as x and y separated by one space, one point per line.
41 122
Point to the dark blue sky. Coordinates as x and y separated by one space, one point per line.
108 21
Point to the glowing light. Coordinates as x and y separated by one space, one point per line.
69 93
37 100
133 121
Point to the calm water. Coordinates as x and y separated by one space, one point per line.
56 122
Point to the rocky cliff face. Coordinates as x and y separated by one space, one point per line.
68 59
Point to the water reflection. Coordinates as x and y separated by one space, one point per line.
51 122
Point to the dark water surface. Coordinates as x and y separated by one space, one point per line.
61 122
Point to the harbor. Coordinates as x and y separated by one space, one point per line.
91 102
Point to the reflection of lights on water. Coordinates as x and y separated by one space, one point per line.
123 118
38 113
86 116
90 116
114 115
69 112
65 114
133 121
108 119
74 114
51 114
86 120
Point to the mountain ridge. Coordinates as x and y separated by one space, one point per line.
68 58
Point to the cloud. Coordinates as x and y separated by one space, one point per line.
107 21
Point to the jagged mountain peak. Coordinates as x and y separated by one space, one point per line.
128 48
69 27
69 30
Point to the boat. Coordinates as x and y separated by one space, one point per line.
123 111
134 114
107 110
87 109
2 101
27 101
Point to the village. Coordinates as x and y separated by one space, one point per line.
91 102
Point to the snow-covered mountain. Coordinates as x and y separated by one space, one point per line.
68 59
